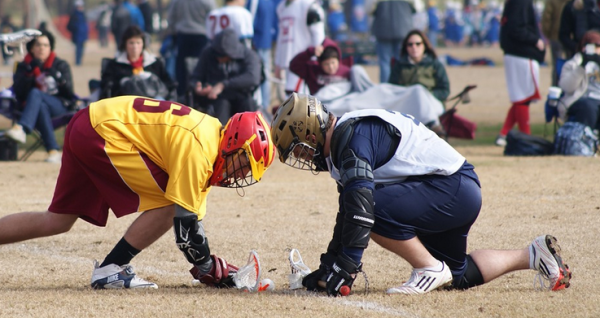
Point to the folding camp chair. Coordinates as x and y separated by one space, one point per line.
10 109
455 125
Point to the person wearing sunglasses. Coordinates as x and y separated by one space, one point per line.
418 64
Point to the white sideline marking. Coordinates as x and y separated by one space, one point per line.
376 307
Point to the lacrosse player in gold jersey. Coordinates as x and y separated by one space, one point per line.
134 154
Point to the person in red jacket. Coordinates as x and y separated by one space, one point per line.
326 69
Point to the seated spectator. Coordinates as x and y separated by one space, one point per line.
322 66
418 64
43 85
580 82
226 76
325 69
135 71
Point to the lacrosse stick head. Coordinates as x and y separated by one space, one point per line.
299 269
248 276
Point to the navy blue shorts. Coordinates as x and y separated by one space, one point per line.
439 210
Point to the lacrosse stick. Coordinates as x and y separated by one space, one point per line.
248 276
17 39
299 269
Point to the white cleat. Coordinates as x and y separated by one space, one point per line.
113 276
423 281
544 256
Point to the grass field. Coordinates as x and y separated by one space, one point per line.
522 198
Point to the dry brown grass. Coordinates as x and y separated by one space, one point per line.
523 198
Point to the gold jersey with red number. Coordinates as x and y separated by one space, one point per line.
181 141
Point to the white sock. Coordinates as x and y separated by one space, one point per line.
435 268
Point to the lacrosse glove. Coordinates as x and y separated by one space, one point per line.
343 273
220 275
311 281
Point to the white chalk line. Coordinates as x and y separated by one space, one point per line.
376 307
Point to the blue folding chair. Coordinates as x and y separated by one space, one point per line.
551 110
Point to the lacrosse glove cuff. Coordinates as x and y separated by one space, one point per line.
343 273
311 281
220 275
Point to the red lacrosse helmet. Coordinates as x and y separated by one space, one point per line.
246 146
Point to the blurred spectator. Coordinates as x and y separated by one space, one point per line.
232 15
419 65
103 23
168 50
6 26
336 21
265 33
492 24
78 27
580 82
147 13
226 76
124 15
524 49
301 25
326 69
135 71
551 14
578 17
187 21
43 85
392 20
433 24
453 25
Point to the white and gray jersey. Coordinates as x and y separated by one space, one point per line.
294 34
420 151
235 17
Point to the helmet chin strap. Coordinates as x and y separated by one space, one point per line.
319 161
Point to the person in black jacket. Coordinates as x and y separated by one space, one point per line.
43 85
524 49
131 61
226 76
578 17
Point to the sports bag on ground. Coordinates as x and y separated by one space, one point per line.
521 144
575 139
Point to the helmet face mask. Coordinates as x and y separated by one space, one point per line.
246 150
298 131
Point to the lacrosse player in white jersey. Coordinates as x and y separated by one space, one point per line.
301 25
408 190
235 16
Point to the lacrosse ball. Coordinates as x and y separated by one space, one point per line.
344 290
195 283
266 284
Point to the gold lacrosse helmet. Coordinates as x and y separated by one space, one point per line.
298 131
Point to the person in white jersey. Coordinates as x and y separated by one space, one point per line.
405 188
301 25
233 15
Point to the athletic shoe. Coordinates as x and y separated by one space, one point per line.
113 276
423 281
544 256
17 133
500 141
54 156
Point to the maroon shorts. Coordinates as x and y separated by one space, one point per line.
90 182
